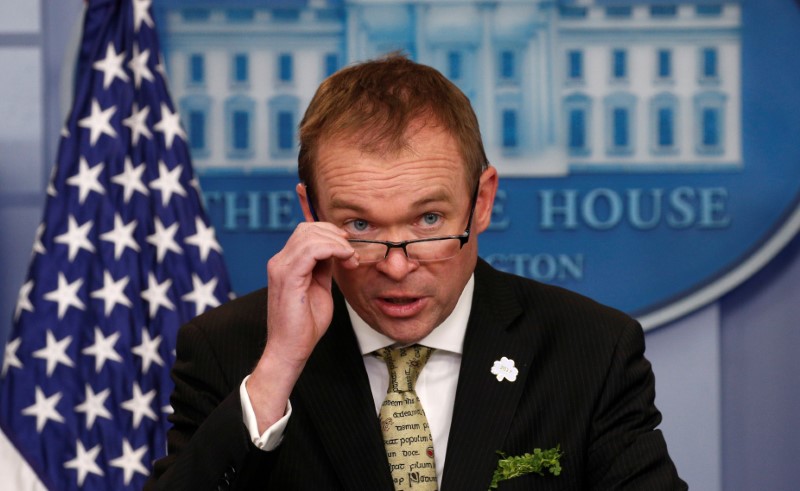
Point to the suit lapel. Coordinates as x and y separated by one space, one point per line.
334 389
484 406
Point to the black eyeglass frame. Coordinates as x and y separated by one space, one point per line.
462 238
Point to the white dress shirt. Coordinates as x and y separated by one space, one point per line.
436 385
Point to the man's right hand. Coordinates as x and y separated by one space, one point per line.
299 310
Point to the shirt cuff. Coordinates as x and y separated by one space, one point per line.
272 437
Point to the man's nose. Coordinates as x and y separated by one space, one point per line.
396 265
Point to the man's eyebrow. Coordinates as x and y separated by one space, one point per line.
340 204
437 197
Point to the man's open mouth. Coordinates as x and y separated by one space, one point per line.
400 301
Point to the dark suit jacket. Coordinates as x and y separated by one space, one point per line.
583 384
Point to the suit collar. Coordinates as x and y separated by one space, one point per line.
484 406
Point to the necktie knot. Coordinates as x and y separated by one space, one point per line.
404 365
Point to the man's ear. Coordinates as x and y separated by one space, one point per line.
485 200
302 196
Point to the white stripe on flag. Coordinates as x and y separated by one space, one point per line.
14 469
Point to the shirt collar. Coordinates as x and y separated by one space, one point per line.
448 336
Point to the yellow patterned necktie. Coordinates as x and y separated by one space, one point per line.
406 435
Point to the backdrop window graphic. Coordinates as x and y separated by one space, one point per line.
125 254
640 144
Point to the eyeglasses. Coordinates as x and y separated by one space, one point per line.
423 250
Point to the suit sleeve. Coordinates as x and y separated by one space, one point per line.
208 443
626 450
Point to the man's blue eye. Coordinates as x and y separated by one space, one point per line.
359 225
430 218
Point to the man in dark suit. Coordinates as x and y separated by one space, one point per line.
280 389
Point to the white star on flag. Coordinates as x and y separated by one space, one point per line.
76 237
44 409
94 406
121 235
87 180
38 247
141 14
55 352
137 122
204 239
111 66
168 182
156 294
103 349
139 405
148 351
24 299
99 122
160 67
170 125
51 188
112 293
195 183
66 295
138 66
85 462
131 180
10 358
202 294
164 239
130 461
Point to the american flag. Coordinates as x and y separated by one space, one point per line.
124 256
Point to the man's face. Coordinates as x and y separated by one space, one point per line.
421 191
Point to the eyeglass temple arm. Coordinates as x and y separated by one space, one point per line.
471 214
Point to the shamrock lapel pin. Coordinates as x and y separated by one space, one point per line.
505 369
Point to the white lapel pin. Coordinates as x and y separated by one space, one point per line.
505 369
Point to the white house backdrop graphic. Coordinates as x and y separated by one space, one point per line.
619 122
559 87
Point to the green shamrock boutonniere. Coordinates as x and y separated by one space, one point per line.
519 465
